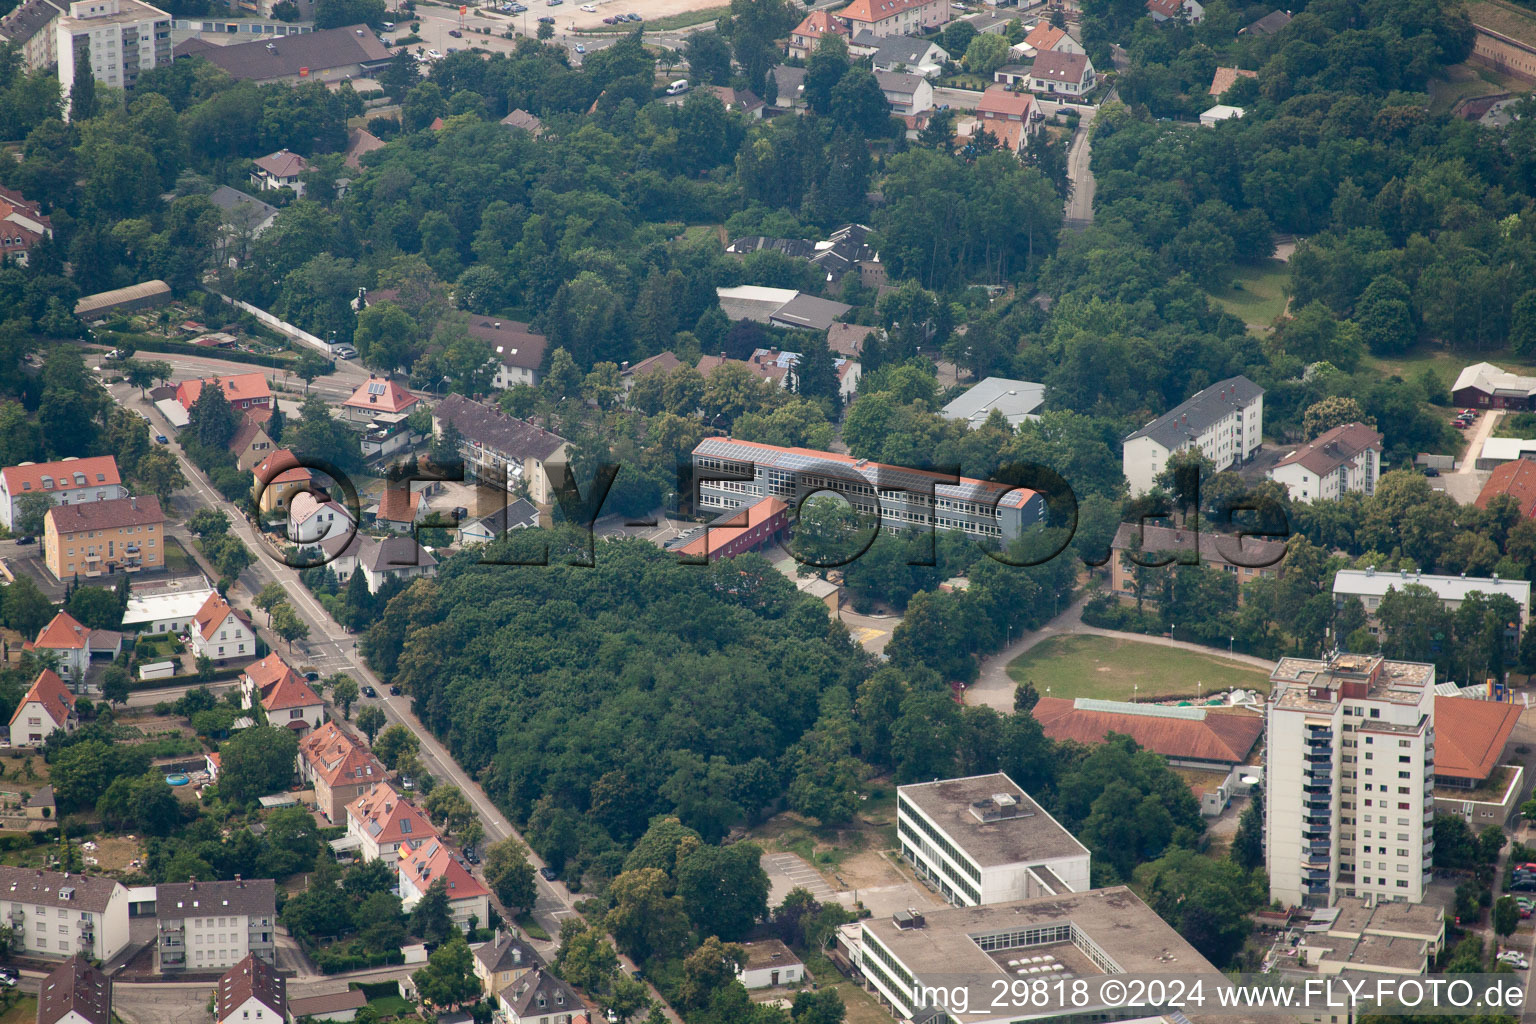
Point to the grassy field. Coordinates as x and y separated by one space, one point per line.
1256 293
1109 669
668 23
1466 81
22 1011
1444 362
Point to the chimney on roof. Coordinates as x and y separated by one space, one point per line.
497 325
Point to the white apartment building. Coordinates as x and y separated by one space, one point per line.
124 37
1371 586
982 840
1349 805
66 482
57 915
425 861
1345 459
1225 422
207 926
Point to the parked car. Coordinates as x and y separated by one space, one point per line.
1431 471
546 20
456 33
26 540
589 8
580 48
548 874
8 977
608 21
162 439
434 55
1469 412
369 691
389 26
394 691
634 17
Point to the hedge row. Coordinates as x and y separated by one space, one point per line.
147 343
339 963
220 675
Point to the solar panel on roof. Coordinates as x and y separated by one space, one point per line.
376 388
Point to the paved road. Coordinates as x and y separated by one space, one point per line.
994 687
1079 212
332 649
333 387
1465 482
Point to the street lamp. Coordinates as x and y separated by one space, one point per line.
1230 641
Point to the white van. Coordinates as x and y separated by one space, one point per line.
678 87
389 26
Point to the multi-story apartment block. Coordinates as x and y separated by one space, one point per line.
894 17
56 915
30 28
427 861
982 840
1224 422
1343 460
340 768
251 992
380 820
902 498
206 926
123 534
502 450
1247 558
68 482
914 960
1371 586
1348 781
122 38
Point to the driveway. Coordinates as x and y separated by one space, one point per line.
1465 482
788 871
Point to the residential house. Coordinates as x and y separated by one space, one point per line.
75 993
251 992
54 915
521 120
1224 422
119 38
340 768
279 170
1226 78
847 340
517 347
790 83
1008 116
769 964
1194 737
1370 587
845 249
335 1007
67 482
73 645
251 443
287 698
539 997
30 29
218 632
278 479
502 450
804 37
98 537
378 559
1047 38
378 399
381 819
901 53
1017 401
400 509
330 55
1014 76
47 707
1486 386
743 101
23 225
243 391
212 926
1516 479
663 362
1191 11
907 94
425 861
1343 460
1268 25
245 216
517 514
1219 113
1062 73
894 17
169 607
1247 558
311 520
360 142
501 961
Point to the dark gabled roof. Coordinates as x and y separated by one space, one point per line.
539 992
810 311
28 20
1185 421
252 977
112 514
496 430
1056 66
1215 548
1271 23
251 897
1327 452
284 56
240 209
514 343
898 49
319 1006
42 888
75 986
506 952
518 513
385 554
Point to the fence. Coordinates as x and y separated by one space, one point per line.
282 327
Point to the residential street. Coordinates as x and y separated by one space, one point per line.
1079 213
330 648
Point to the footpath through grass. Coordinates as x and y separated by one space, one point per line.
1107 668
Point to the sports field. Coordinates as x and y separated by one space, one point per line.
1107 668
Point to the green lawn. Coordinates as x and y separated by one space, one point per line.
176 557
526 922
1110 669
22 1011
1463 81
1444 362
391 1006
1256 293
668 23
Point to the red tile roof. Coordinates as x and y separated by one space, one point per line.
282 164
427 861
1045 36
399 505
388 817
1224 736
1000 102
68 475
49 691
238 387
718 537
1471 735
1226 78
291 691
818 23
113 514
875 11
281 467
63 633
1516 479
336 758
212 615
377 394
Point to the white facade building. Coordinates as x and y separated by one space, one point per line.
220 634
1343 460
66 482
982 840
1348 781
57 915
1224 422
169 609
215 925
1371 586
124 37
